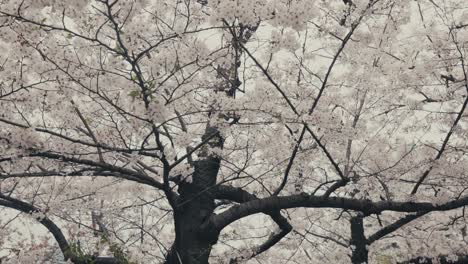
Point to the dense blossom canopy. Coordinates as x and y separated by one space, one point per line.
229 131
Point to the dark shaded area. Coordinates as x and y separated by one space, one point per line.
441 260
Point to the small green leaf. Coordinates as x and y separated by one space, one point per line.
151 84
134 93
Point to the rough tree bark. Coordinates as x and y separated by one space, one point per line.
196 203
195 233
360 253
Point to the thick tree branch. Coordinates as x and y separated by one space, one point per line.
438 260
394 226
336 186
241 196
309 201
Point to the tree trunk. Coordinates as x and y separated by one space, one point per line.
194 238
360 253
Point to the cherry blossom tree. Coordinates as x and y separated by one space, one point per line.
230 131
